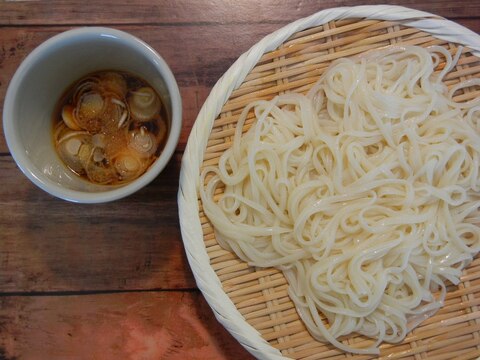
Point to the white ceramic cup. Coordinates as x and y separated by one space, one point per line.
43 77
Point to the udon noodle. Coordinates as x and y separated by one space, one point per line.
364 192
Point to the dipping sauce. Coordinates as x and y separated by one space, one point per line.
109 127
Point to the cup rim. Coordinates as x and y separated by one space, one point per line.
46 184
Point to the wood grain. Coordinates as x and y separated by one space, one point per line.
49 244
133 326
184 11
75 280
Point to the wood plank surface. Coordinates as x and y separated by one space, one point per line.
184 11
111 281
133 243
130 326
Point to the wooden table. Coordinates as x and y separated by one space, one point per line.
111 281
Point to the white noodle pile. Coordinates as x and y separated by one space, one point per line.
365 193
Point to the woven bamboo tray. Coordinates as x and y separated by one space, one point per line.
253 303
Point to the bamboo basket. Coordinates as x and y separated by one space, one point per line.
253 303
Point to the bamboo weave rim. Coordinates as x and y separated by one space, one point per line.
260 295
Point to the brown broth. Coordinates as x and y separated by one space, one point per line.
104 130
